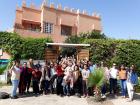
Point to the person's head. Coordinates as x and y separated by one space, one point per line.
114 65
76 67
85 66
38 62
52 64
126 68
82 65
31 60
16 63
102 64
70 63
90 63
132 67
36 68
122 67
25 64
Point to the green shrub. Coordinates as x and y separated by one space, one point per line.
125 52
2 69
23 48
96 78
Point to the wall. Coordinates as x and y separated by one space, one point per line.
87 23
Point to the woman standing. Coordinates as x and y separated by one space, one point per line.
85 75
60 74
45 79
77 81
123 77
15 77
23 79
132 80
30 69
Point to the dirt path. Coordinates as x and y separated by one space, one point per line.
43 100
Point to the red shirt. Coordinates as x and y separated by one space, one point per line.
36 75
59 70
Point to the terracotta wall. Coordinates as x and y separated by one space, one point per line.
88 24
32 34
31 14
78 21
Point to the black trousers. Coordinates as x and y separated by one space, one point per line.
35 86
78 86
59 87
113 85
52 83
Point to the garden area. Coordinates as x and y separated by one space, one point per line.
103 49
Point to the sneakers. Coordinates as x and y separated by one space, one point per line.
14 97
129 100
103 96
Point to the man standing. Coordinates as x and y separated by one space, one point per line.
113 79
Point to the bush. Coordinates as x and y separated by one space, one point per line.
2 69
23 48
125 52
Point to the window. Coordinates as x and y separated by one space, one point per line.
66 30
48 27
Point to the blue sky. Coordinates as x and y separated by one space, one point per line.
120 18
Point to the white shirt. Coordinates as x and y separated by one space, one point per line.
113 73
85 74
15 73
68 69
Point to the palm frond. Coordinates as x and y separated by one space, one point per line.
96 78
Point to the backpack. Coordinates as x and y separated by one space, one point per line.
4 95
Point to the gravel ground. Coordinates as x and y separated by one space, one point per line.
57 100
42 100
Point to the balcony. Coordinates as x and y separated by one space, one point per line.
37 34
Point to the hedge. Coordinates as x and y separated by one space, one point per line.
125 52
23 48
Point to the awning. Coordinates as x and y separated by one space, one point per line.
69 44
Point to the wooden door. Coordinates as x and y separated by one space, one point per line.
83 54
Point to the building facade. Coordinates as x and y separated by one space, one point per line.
54 22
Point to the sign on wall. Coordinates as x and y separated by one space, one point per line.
1 52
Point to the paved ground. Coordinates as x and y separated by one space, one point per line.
57 100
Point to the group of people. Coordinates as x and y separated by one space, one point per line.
66 77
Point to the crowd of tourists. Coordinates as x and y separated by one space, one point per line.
66 77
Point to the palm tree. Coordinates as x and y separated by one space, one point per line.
95 81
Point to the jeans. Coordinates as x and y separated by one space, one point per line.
15 84
123 87
113 85
66 89
103 89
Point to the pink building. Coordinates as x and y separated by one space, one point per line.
54 22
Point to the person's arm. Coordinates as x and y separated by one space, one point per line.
72 83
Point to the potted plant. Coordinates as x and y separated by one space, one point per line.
95 81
